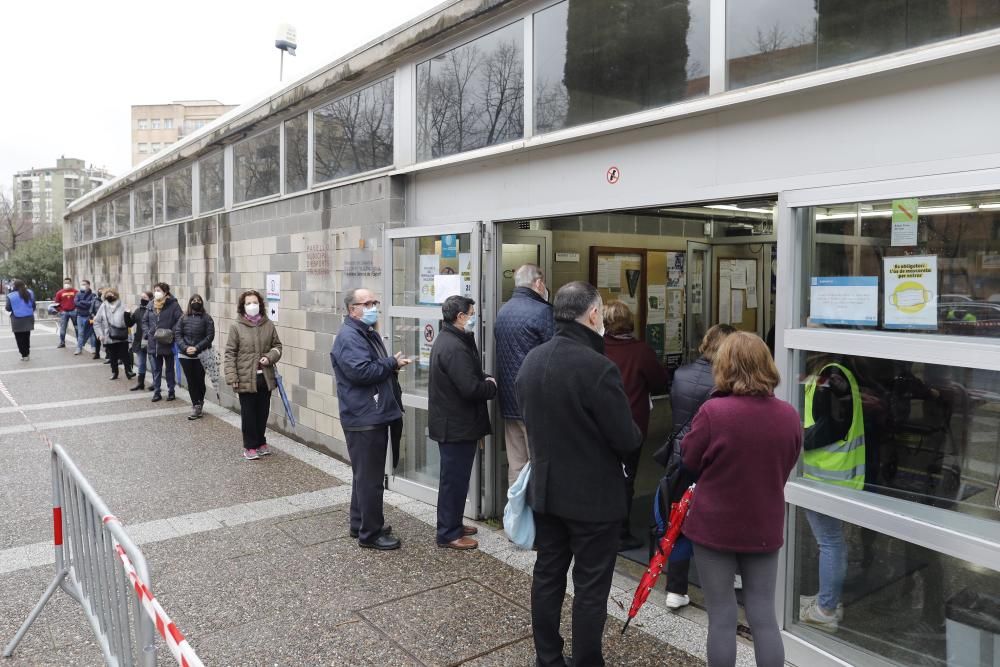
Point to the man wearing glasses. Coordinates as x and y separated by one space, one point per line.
369 398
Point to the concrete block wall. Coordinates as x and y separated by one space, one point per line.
319 244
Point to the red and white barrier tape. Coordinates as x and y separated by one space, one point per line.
179 647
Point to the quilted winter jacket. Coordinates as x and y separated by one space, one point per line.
523 323
692 386
195 330
246 344
165 319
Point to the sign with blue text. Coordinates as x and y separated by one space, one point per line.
844 301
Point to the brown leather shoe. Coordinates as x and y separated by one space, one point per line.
469 530
461 544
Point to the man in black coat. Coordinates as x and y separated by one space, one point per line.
579 428
456 396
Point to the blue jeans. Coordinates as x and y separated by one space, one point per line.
140 362
64 320
84 332
829 534
159 362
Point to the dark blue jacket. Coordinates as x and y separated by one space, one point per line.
523 323
84 302
366 378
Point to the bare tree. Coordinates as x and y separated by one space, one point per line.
15 227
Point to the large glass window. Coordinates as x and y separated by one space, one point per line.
103 215
472 96
773 39
122 215
256 163
353 135
597 60
421 265
928 265
296 153
178 194
211 185
144 206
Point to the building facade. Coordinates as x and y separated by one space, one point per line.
42 196
156 126
817 176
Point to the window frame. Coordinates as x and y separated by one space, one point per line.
231 179
201 204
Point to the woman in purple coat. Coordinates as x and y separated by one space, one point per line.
744 442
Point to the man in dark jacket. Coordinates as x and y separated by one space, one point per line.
523 323
162 313
84 301
369 402
579 429
457 393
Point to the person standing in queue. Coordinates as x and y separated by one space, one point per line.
692 386
369 398
523 323
158 327
457 393
139 342
83 300
111 327
580 429
67 310
252 350
95 306
194 334
743 444
21 306
643 376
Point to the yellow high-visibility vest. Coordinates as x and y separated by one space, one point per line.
841 462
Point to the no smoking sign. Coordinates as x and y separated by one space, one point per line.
614 175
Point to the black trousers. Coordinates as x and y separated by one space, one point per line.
631 463
118 352
367 450
195 374
23 339
592 547
159 361
255 408
453 488
677 576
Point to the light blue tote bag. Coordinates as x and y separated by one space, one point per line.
518 519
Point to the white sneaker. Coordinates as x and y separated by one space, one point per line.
738 583
806 601
813 615
675 601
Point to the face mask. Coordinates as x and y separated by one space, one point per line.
600 332
85 288
109 299
158 295
370 316
253 309
546 295
143 301
470 324
68 286
197 306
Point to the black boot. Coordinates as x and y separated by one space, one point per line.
141 384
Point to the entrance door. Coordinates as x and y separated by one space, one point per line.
426 265
699 304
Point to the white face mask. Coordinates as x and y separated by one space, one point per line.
600 332
470 324
158 295
84 288
253 309
546 294
67 285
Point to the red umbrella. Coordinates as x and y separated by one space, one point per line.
678 512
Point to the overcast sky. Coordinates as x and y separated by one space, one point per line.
72 70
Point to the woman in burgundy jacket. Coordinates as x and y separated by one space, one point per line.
744 442
642 376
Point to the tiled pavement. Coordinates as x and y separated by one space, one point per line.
253 560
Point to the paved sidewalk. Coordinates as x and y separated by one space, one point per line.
252 559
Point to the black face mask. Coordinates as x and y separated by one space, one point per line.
110 299
197 306
143 302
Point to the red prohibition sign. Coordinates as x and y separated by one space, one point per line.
614 175
428 333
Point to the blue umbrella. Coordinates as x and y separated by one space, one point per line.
284 397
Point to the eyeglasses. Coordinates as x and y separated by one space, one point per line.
368 304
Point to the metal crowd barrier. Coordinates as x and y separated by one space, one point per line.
99 566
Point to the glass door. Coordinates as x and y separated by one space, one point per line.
426 265
699 307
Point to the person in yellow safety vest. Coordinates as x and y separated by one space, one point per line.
835 454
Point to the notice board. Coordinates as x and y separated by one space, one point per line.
737 292
620 275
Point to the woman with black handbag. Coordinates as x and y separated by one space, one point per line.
111 329
158 327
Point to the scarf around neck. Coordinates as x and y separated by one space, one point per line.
255 320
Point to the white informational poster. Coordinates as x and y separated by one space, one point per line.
904 222
738 280
751 273
272 311
844 300
465 268
656 298
911 292
447 285
429 267
737 301
675 304
725 300
428 332
609 272
675 269
273 286
674 335
752 297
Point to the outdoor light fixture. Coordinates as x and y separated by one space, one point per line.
285 41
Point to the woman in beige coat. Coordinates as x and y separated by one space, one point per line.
252 350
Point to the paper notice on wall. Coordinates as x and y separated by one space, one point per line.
725 301
656 301
609 272
445 286
675 304
674 336
465 268
904 222
675 269
696 289
751 273
428 332
738 280
752 297
844 300
911 292
429 267
737 306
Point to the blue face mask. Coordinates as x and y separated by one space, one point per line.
370 316
470 324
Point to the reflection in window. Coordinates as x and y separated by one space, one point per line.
354 134
256 163
598 60
773 39
122 214
178 188
144 206
211 184
296 153
103 215
423 264
472 96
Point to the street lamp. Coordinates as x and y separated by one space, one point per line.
285 41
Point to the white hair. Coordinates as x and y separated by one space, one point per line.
526 275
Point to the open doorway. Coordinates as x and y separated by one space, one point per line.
680 269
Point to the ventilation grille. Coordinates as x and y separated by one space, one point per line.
526 224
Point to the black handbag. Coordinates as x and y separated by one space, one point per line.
164 336
117 334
